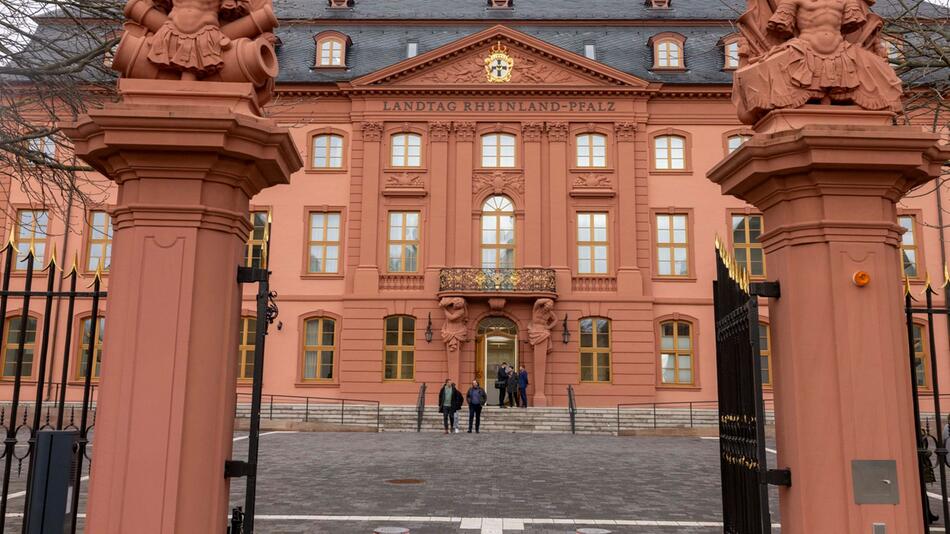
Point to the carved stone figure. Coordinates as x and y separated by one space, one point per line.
214 40
799 51
455 329
543 320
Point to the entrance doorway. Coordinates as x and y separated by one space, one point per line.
496 343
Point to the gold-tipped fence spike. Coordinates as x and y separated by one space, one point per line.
52 259
946 277
74 268
11 241
97 276
928 286
907 292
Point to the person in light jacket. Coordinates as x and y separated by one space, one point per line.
476 398
512 388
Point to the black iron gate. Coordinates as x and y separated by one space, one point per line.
931 441
744 469
242 520
54 405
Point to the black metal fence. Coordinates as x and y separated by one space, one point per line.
743 462
26 366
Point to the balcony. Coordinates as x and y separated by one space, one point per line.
530 283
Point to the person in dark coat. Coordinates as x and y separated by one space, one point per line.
501 383
450 400
457 401
523 386
512 388
476 398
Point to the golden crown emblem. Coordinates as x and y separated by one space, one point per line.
499 64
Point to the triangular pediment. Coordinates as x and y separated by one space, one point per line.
534 63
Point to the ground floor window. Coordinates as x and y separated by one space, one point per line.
595 349
12 335
246 345
84 348
765 353
400 348
319 346
676 353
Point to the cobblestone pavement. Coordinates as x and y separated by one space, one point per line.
500 475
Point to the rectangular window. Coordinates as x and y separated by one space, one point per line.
909 245
99 251
676 353
46 145
498 150
324 244
732 55
400 348
412 49
765 353
327 151
11 341
246 344
592 150
669 152
82 369
672 246
255 254
406 150
403 241
595 349
921 357
318 348
747 249
590 51
32 232
592 243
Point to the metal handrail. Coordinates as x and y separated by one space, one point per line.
306 401
572 408
420 407
708 405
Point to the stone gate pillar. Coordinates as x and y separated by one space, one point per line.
187 157
827 182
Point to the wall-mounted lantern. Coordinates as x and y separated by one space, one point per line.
429 330
566 334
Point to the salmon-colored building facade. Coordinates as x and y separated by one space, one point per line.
489 182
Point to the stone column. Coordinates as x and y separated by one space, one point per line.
366 279
531 133
464 154
187 157
828 184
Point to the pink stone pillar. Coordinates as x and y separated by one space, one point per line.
842 380
187 157
540 353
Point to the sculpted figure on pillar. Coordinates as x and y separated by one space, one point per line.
214 40
543 320
455 329
823 51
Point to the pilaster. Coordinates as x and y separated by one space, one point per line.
531 136
366 278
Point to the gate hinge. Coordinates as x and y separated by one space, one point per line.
770 290
236 469
779 477
248 275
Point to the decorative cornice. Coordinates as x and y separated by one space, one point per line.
498 182
531 131
439 131
625 131
464 131
372 131
557 131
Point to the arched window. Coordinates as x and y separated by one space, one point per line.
591 150
498 233
595 349
246 344
82 357
669 152
327 151
735 141
676 353
406 150
731 51
330 52
400 348
669 54
11 339
498 150
765 353
319 346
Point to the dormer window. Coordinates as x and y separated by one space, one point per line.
892 51
412 49
731 54
668 51
659 4
501 4
590 51
341 4
331 49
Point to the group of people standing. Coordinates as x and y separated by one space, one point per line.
512 386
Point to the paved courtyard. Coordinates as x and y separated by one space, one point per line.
484 483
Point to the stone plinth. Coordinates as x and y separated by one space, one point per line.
187 158
842 380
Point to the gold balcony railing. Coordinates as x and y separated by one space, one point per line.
463 279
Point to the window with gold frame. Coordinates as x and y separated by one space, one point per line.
765 353
735 141
921 356
399 356
255 254
669 152
83 350
32 231
676 353
327 151
746 247
319 347
672 245
246 344
498 150
731 51
498 233
331 53
592 243
99 244
406 150
669 54
909 248
403 246
11 338
591 150
324 244
595 349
